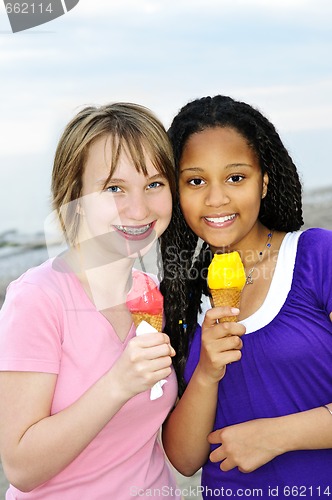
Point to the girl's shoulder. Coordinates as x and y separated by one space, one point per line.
313 258
50 279
315 240
38 275
314 233
313 271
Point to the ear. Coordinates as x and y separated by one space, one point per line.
265 184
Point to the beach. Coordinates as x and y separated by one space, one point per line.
19 252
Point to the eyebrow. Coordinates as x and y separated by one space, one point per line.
230 165
113 180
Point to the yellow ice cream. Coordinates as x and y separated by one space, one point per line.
226 271
226 279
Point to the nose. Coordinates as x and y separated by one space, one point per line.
217 196
138 208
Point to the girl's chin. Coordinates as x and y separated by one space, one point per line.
137 248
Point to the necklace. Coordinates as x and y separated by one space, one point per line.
249 280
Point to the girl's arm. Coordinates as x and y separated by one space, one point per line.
35 446
186 430
251 444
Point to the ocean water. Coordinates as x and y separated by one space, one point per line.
24 192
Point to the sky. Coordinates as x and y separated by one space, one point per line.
275 55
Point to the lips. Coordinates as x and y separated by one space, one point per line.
135 232
220 220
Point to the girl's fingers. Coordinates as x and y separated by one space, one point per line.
229 343
159 351
213 315
152 339
214 437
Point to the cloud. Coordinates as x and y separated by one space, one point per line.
26 135
155 6
293 106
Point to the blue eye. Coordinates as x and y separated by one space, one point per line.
155 185
113 189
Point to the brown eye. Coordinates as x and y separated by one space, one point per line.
196 182
236 178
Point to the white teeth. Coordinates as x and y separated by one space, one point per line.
134 231
219 220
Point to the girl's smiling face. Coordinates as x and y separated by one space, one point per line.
221 186
126 215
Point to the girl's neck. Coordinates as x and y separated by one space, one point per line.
251 243
107 283
256 246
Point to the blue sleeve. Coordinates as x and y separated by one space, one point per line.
318 254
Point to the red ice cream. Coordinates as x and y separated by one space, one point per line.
145 301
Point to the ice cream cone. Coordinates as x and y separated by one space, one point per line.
226 279
155 320
226 297
145 302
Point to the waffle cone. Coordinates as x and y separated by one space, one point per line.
226 297
155 320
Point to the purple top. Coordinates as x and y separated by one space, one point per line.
286 367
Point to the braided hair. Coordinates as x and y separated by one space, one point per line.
184 267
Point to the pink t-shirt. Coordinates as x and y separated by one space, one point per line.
48 324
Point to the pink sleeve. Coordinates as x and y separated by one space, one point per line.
30 329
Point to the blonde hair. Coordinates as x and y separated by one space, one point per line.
130 126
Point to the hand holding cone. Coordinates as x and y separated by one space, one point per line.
146 303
